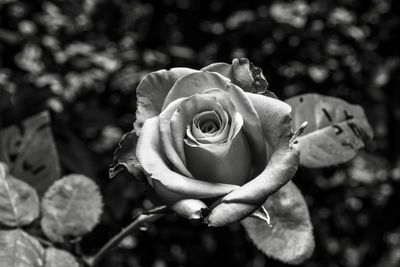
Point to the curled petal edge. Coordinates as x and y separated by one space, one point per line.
242 202
151 93
188 208
200 82
244 74
154 164
125 157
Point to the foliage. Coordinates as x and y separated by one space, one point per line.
82 61
290 238
29 152
19 201
70 208
335 132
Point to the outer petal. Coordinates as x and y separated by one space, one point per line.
244 74
151 93
125 157
175 156
195 83
249 197
153 162
228 162
178 203
275 121
199 82
274 117
222 68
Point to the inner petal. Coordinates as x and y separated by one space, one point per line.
228 162
209 127
182 126
201 82
208 122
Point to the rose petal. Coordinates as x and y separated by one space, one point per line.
199 82
217 136
173 122
274 117
153 162
189 107
178 203
206 123
222 68
151 93
249 197
239 72
195 83
125 157
178 160
244 74
191 209
229 162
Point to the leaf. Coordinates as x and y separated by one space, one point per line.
125 157
29 151
71 207
336 129
290 238
59 258
19 202
19 249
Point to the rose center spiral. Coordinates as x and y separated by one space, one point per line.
208 122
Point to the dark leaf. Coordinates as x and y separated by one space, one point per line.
29 151
19 202
125 157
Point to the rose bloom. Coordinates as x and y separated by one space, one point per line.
210 146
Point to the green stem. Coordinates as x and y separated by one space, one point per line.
136 224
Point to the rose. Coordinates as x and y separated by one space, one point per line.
210 149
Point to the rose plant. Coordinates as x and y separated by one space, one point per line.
204 138
214 144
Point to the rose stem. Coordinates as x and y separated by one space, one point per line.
140 220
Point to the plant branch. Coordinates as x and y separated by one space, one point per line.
140 220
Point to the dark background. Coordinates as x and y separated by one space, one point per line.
83 59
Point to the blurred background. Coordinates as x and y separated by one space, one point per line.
82 60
